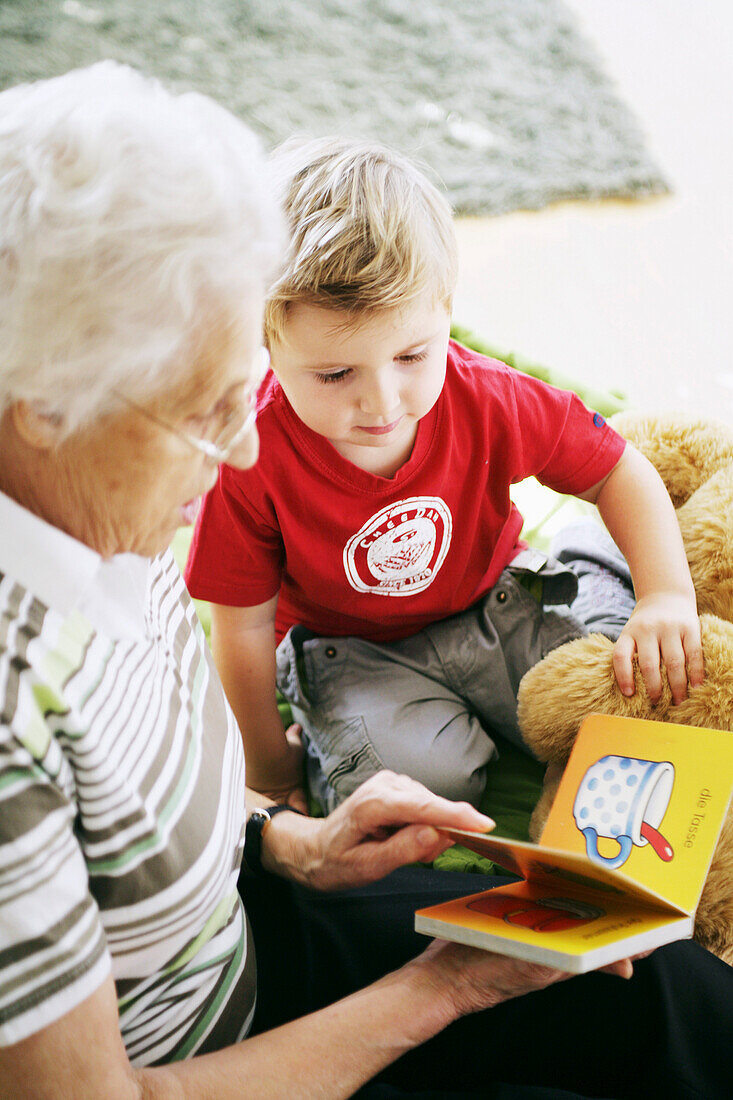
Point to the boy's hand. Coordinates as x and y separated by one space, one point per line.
285 783
663 629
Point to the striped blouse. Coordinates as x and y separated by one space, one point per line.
121 801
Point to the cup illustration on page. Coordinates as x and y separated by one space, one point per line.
625 800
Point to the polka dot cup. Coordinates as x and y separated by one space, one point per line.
617 798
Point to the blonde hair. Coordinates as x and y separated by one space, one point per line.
123 209
368 230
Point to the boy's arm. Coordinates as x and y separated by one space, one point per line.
243 643
637 511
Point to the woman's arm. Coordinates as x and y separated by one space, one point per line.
637 511
389 821
328 1054
243 644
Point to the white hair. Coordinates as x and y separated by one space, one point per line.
123 208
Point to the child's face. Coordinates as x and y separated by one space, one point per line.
364 386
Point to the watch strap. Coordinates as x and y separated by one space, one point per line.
252 855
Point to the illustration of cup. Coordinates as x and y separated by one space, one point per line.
624 799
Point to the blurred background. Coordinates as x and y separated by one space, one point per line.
584 144
634 295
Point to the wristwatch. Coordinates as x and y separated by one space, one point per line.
259 817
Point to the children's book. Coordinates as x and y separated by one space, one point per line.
622 860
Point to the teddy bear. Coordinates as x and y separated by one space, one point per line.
695 461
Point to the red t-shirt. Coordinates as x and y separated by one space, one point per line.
352 553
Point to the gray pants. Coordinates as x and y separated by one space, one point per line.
428 705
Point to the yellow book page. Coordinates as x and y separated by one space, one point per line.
551 867
647 799
549 918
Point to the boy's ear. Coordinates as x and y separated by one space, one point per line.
37 426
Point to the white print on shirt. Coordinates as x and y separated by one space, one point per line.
399 551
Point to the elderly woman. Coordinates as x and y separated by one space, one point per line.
137 233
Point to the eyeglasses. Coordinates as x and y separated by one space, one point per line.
229 431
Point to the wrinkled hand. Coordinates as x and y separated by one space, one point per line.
472 979
286 784
663 629
388 822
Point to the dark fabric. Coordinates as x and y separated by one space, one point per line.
378 1090
666 1033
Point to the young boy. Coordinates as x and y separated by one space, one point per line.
376 541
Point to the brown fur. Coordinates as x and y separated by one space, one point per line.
706 523
685 451
695 460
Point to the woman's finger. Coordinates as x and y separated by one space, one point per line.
623 968
411 844
389 799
